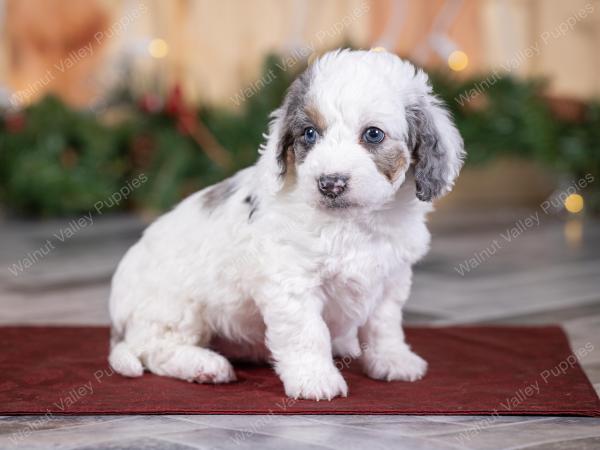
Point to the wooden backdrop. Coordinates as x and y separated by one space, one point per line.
215 48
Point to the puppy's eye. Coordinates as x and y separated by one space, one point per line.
373 135
310 135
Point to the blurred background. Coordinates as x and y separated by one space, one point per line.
114 110
95 93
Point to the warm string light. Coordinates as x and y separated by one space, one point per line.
458 60
158 48
574 203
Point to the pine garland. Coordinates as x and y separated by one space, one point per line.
57 161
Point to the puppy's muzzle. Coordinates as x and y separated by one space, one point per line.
332 185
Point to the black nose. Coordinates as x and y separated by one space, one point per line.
332 185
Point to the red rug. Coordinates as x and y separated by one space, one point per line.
472 370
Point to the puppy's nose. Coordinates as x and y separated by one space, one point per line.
332 185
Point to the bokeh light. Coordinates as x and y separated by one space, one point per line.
158 48
458 60
573 231
574 203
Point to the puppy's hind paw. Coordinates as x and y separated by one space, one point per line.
213 368
399 365
124 361
194 364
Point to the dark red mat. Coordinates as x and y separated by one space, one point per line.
473 370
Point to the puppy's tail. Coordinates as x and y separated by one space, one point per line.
123 360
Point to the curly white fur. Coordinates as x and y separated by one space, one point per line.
264 266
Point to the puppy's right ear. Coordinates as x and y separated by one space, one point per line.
278 152
284 152
274 160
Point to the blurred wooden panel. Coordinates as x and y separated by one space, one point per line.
216 48
569 36
412 33
50 47
553 39
220 46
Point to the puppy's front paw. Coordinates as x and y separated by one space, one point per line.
314 383
402 365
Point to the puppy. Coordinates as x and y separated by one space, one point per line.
307 254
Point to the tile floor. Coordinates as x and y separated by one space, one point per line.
549 273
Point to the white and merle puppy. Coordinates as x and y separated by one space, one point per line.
307 254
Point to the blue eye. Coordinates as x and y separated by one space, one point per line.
373 135
310 135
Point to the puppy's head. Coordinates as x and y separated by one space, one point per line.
352 127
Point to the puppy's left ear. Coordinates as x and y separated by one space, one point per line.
436 145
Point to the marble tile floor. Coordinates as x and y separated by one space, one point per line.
548 274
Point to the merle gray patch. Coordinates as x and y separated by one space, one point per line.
431 158
218 194
252 203
296 120
389 157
